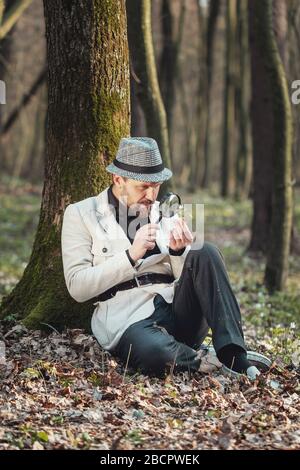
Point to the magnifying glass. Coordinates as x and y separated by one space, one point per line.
170 205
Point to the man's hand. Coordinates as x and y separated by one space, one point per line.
144 240
180 236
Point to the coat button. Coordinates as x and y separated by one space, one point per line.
104 249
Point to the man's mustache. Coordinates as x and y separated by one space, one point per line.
147 203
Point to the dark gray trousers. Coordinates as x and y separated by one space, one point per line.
169 338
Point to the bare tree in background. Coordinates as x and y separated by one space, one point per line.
196 128
288 38
169 60
25 76
88 113
1 10
213 13
12 15
144 67
243 157
294 73
138 124
262 140
262 118
272 142
228 155
282 196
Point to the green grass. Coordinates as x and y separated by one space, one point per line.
19 214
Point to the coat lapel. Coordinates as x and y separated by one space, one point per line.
107 220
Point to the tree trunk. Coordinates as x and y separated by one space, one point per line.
168 67
138 125
12 16
167 60
282 200
144 67
243 160
1 10
289 52
214 9
5 48
198 119
23 73
88 113
262 137
280 28
33 167
228 166
24 102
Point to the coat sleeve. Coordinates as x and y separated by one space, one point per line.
85 281
177 262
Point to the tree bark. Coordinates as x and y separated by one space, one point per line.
138 124
169 60
228 166
197 125
12 16
262 134
1 10
243 160
144 67
262 138
88 113
282 200
214 9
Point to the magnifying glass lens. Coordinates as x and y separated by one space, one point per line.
169 204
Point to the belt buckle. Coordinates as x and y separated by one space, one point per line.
136 277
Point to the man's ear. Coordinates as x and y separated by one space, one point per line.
117 180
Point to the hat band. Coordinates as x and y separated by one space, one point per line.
139 169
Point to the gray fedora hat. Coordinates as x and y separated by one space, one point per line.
139 158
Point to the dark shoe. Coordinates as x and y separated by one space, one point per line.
259 363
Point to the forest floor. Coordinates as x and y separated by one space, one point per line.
60 391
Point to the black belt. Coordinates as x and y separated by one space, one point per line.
145 279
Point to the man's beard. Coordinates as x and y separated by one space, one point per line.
140 209
137 209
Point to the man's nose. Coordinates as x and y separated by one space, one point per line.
151 194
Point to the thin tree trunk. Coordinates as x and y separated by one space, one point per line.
1 10
169 61
287 37
198 122
143 63
12 16
262 138
282 200
24 102
243 160
138 125
166 72
214 9
228 167
189 148
88 113
32 171
4 56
